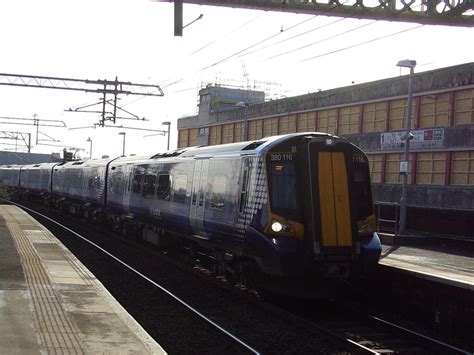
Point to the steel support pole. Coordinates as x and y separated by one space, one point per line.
408 137
123 151
246 123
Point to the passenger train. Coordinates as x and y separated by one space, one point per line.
296 206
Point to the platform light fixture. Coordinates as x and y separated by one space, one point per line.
90 147
167 123
407 138
123 150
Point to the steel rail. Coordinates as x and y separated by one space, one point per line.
427 338
233 337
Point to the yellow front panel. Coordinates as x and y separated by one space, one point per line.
341 198
334 200
326 199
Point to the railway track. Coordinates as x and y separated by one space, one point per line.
378 336
349 332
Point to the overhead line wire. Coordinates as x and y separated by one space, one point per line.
361 43
242 53
227 34
340 34
232 31
293 37
257 43
322 40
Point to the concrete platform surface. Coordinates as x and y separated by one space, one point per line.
442 265
51 304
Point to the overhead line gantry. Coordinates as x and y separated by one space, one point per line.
103 87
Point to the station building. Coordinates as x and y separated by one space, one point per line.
373 116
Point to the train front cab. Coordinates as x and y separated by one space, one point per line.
321 203
341 227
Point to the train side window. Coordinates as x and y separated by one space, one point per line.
149 186
164 187
130 177
137 183
243 191
179 188
361 190
194 198
218 192
90 184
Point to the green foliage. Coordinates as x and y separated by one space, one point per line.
4 193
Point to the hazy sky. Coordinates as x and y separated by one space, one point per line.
133 39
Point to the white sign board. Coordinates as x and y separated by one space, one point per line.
403 167
422 139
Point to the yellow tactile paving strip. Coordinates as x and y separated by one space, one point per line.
58 333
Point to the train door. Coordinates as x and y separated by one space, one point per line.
128 176
330 203
198 200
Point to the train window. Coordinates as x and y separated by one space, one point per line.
243 191
218 192
282 185
361 191
129 181
137 183
164 187
179 188
194 199
149 186
93 182
90 183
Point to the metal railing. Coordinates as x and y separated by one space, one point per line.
388 217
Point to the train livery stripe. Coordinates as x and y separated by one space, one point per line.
334 200
341 200
326 199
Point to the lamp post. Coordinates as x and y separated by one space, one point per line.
407 138
90 147
167 123
245 106
123 150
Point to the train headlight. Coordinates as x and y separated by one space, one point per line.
282 227
279 227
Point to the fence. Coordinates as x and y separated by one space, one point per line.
388 217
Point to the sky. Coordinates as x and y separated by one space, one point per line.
283 54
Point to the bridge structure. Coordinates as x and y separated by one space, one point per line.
427 12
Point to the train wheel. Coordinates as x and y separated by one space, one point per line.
219 267
250 275
191 255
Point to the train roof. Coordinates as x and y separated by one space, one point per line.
38 166
245 148
11 166
229 149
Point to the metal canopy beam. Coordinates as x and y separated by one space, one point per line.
427 12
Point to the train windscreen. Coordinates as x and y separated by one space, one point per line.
282 185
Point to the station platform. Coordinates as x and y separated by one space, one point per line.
51 304
446 265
